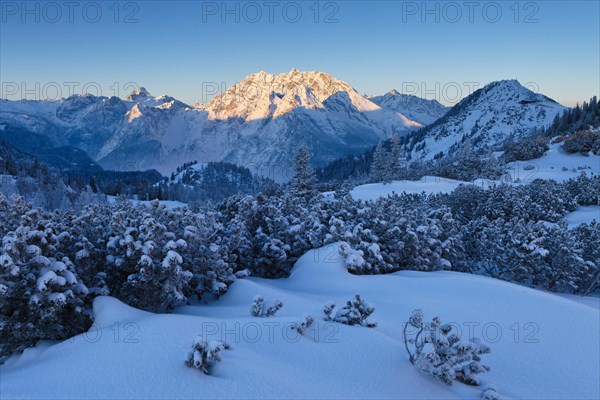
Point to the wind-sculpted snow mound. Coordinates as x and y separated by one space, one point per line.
543 345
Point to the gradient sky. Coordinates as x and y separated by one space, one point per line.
179 47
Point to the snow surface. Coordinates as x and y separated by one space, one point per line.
170 204
590 301
583 215
427 184
137 355
555 164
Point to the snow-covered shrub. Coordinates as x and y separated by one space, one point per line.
205 353
256 310
466 165
258 307
157 281
328 311
41 296
11 212
274 231
273 308
550 258
585 189
586 141
355 312
525 149
353 259
587 236
490 393
563 269
159 258
304 325
211 254
540 200
434 348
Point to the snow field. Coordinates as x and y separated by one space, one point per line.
543 346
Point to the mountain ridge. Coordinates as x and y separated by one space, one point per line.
487 117
257 123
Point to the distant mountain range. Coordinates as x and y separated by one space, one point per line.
260 121
421 110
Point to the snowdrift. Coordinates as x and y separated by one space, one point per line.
543 345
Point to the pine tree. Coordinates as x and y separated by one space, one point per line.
304 179
380 165
396 158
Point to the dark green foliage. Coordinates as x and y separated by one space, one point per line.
525 149
581 117
213 182
583 142
303 184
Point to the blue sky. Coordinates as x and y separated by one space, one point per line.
432 49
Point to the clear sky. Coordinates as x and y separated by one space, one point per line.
433 49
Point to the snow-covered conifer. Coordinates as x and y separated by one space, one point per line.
355 312
434 348
304 179
380 167
205 353
305 324
256 310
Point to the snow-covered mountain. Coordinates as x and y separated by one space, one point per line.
257 123
273 114
260 121
486 118
421 110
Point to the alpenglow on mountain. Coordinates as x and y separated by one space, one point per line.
260 121
257 123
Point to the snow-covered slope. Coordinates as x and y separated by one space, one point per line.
421 110
485 118
87 121
555 164
543 346
583 215
427 185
